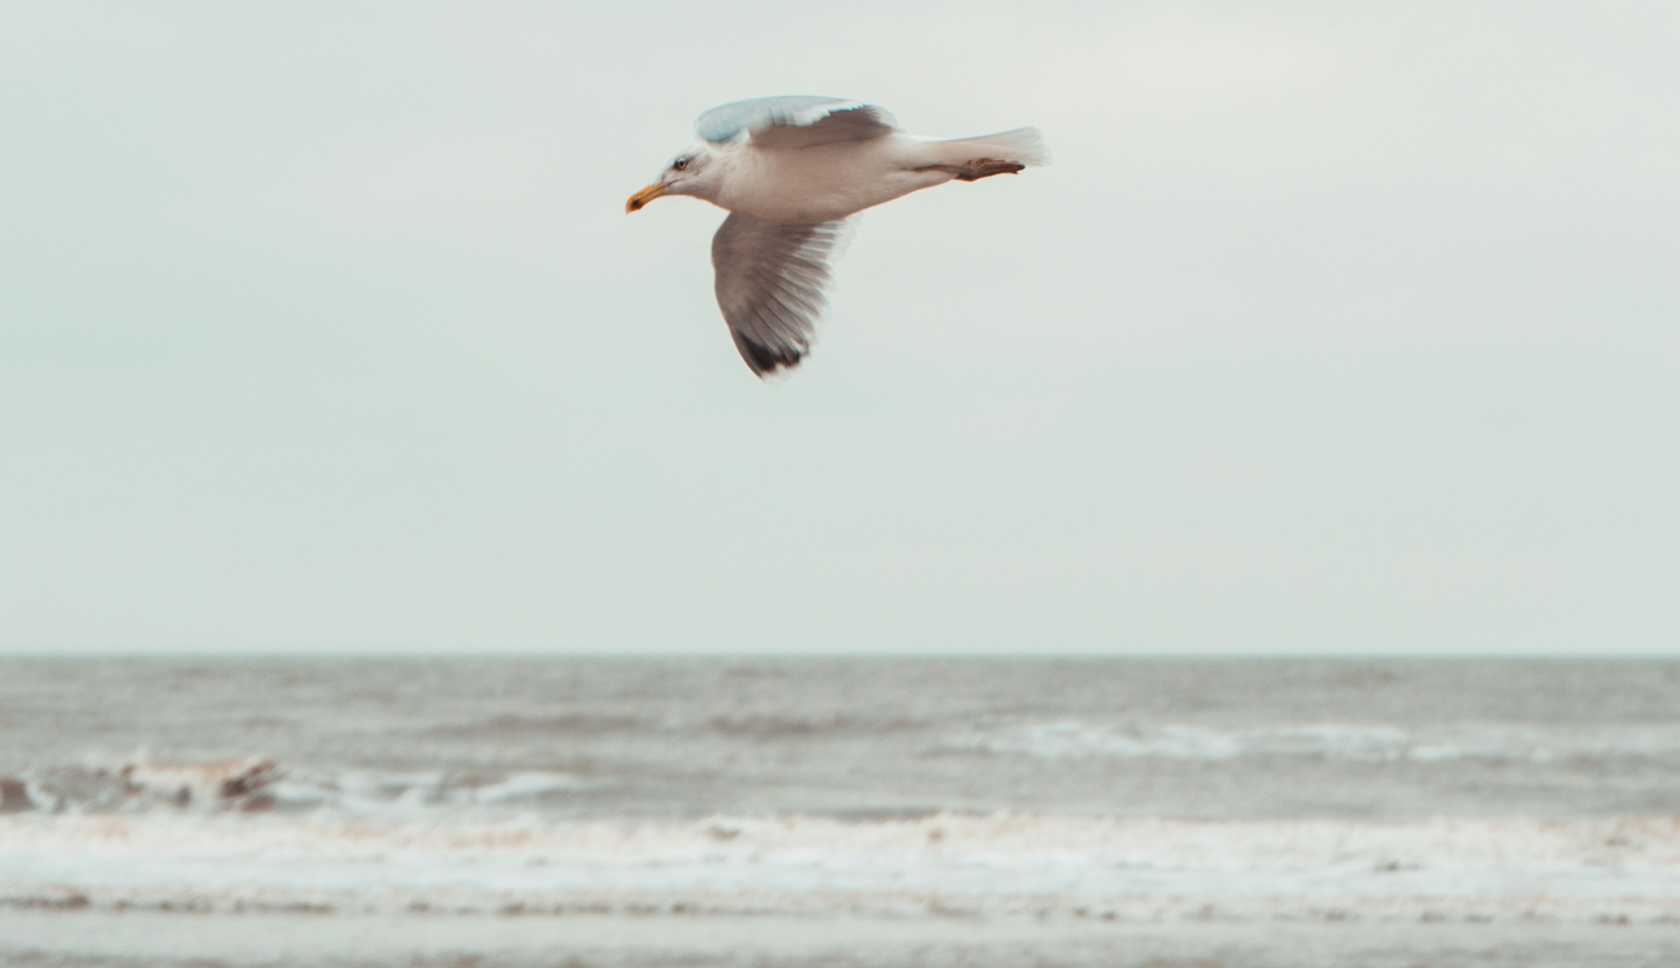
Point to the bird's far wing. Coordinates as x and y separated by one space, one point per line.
771 285
794 122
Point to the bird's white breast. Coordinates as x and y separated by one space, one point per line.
821 183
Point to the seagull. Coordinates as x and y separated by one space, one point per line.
790 171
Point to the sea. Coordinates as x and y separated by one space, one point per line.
835 812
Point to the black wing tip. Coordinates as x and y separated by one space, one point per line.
767 361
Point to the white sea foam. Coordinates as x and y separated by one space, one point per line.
985 866
1068 739
363 792
257 784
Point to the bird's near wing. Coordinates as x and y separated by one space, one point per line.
794 122
771 285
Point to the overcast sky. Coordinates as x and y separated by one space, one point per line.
1335 328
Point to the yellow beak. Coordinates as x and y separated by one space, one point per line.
642 197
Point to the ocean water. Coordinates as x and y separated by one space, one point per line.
839 812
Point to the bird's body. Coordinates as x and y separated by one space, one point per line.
789 171
823 183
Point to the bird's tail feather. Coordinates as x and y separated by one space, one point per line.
1022 145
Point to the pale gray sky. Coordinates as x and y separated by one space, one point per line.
1334 328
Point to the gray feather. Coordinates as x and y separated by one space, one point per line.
794 121
772 283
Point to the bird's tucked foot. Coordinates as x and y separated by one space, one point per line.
976 169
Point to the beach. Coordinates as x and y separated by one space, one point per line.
838 812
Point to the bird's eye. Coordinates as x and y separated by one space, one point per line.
679 164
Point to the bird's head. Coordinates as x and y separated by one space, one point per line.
690 173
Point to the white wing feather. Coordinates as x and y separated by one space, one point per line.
772 286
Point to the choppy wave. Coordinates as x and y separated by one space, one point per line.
947 865
767 726
1464 741
257 784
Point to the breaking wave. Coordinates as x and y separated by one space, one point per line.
1467 741
945 865
258 784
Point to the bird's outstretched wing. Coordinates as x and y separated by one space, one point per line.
794 122
772 281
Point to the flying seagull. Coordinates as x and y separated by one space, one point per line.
790 170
